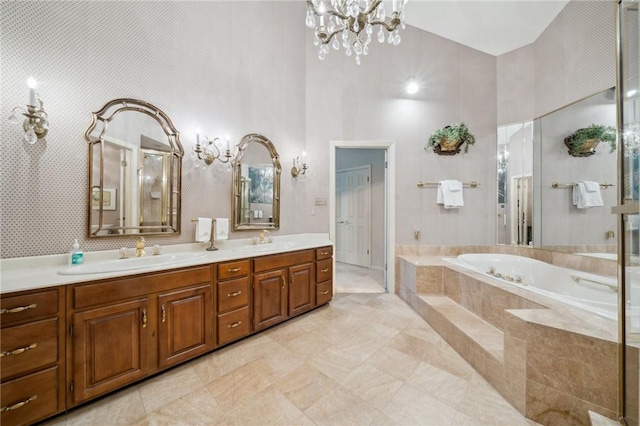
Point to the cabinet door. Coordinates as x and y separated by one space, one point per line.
109 348
301 288
185 324
269 298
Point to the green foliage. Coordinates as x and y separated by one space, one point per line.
453 132
577 139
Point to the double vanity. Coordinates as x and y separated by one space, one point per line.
70 335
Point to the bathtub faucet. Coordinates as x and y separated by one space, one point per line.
518 279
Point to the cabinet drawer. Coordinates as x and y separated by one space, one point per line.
324 270
30 398
266 263
28 347
233 325
233 294
324 292
324 253
233 269
27 307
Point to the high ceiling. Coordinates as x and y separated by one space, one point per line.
493 27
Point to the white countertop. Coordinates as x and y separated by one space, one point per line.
28 273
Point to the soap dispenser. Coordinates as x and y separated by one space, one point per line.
76 257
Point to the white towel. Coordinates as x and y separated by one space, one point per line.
583 198
450 194
222 229
203 229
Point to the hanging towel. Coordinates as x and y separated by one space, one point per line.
450 194
587 194
203 229
222 229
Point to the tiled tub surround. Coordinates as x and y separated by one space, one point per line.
554 363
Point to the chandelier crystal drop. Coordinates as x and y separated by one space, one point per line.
353 21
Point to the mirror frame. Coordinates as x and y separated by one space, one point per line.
104 116
237 190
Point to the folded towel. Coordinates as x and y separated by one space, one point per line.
222 229
591 186
451 199
203 229
583 199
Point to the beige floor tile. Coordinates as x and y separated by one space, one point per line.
269 407
357 279
122 408
372 385
409 406
334 363
169 386
341 407
440 384
196 408
393 362
305 386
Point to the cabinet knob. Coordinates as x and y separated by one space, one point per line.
18 351
18 309
19 404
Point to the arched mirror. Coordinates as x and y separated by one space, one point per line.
256 185
135 161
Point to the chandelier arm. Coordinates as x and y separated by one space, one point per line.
373 6
388 27
327 40
328 12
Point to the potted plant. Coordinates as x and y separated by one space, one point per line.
449 139
583 142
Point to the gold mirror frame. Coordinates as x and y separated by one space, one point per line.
239 182
172 178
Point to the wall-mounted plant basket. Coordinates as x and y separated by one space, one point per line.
449 140
583 142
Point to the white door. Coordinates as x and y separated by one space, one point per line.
353 210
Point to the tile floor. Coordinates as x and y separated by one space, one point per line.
356 279
364 359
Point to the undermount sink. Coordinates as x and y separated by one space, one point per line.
117 265
260 248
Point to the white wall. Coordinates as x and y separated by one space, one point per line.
235 67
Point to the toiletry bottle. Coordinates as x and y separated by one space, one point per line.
76 256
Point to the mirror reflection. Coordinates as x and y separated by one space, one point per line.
566 223
256 185
515 184
135 161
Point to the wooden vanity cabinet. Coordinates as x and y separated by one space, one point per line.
125 329
283 286
232 301
32 379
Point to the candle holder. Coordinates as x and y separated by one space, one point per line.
36 123
298 169
209 151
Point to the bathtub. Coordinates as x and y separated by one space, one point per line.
593 293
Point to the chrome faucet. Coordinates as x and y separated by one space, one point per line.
140 247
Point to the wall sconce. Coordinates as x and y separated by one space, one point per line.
36 123
209 151
297 169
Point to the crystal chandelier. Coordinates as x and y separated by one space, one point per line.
352 22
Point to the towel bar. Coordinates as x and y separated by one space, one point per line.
556 185
431 184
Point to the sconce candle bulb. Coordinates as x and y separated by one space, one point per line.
209 151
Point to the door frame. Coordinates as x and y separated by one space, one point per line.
390 205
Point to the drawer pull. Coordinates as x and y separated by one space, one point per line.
144 318
164 313
18 309
234 294
19 404
234 325
324 271
234 269
325 292
284 281
324 253
18 351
